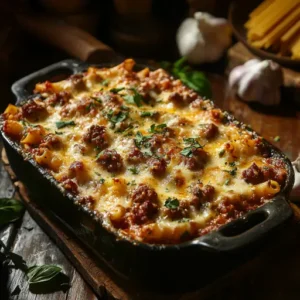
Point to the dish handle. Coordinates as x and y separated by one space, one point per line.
248 230
23 88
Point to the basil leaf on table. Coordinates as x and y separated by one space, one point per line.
44 273
194 79
10 210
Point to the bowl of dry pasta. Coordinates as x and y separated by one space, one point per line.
270 29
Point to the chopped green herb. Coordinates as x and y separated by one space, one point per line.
140 140
131 182
105 82
117 90
157 128
172 203
134 98
227 181
221 153
147 152
59 132
231 172
101 180
188 151
98 99
277 138
134 170
232 164
183 220
89 107
147 114
97 173
62 124
119 117
193 144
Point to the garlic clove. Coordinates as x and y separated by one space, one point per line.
257 81
203 38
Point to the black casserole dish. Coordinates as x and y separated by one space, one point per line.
188 264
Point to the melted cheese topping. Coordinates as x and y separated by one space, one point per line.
165 165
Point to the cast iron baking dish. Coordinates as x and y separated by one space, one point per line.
187 265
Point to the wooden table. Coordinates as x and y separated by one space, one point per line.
262 278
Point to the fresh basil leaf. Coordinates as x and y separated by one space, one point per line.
62 124
194 79
10 210
172 203
44 273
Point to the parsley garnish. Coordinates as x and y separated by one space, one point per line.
62 124
59 132
232 164
227 181
147 152
157 128
140 140
134 98
134 170
221 153
193 144
117 90
98 99
183 220
172 203
105 82
231 172
101 180
147 114
119 117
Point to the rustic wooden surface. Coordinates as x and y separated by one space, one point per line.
271 275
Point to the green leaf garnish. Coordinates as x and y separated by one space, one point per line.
227 181
101 180
134 170
145 114
194 79
221 153
44 273
58 132
119 117
117 90
172 203
193 144
62 124
10 210
157 128
105 82
140 140
134 98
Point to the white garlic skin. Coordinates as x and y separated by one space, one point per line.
203 38
257 81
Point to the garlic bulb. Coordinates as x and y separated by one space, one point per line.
257 81
295 194
203 38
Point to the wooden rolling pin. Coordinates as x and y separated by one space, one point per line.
75 41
